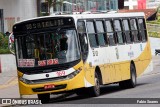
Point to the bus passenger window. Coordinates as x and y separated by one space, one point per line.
126 31
110 33
91 34
142 29
134 30
84 45
118 31
100 33
81 27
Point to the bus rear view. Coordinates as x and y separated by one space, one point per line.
48 56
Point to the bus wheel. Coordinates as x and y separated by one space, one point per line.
95 90
44 98
131 83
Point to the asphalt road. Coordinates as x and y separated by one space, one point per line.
148 87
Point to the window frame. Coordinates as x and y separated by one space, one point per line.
84 26
129 31
116 32
103 33
111 23
145 29
137 30
96 40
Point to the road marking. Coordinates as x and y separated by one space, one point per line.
11 82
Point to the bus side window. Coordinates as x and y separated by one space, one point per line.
134 30
126 30
118 31
83 39
110 33
102 40
84 45
91 34
81 27
142 29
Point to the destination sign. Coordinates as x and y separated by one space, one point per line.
43 23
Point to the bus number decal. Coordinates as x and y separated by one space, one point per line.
60 73
95 53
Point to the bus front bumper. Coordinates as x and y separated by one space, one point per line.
59 86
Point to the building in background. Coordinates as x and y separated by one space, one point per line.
152 4
149 7
12 11
130 4
70 6
141 4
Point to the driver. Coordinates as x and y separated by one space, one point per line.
63 43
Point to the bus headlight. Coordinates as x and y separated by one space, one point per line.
73 74
25 80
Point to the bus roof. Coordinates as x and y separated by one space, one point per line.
88 16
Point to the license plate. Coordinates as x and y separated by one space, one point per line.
49 86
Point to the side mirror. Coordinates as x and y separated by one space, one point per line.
11 43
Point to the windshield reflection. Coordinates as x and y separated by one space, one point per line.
47 48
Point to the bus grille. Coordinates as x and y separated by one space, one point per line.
48 80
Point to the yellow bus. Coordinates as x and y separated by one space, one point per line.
80 53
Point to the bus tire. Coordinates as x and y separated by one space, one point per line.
95 90
131 83
44 98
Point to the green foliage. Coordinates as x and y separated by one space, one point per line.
154 34
153 28
4 51
4 44
154 22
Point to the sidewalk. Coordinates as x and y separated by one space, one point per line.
8 77
8 68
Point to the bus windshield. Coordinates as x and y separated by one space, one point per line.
49 48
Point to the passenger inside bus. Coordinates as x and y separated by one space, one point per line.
63 43
42 52
62 46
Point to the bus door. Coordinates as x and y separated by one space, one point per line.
85 56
